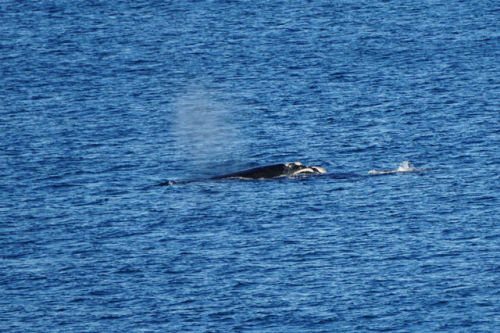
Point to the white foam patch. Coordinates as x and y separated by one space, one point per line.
405 166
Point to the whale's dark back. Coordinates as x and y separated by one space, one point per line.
269 171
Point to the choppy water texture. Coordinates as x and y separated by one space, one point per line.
101 100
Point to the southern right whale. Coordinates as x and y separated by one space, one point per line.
273 171
265 172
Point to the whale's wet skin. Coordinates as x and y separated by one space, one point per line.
266 172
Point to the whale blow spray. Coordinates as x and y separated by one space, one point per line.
204 135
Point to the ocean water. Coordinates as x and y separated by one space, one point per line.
103 100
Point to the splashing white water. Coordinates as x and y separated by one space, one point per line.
405 166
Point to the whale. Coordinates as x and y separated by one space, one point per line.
294 169
273 171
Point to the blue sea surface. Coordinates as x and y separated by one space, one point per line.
100 101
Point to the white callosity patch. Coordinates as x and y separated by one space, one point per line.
319 169
302 171
299 169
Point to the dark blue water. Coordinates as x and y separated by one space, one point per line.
101 100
